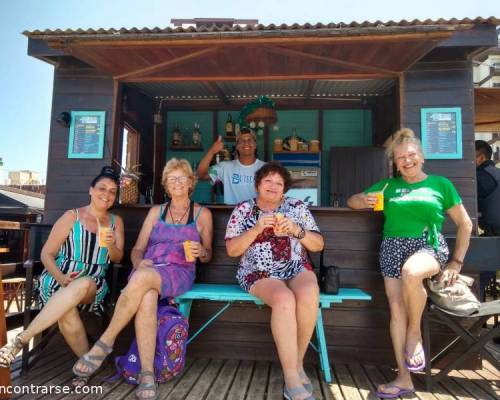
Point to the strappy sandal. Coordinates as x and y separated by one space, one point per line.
290 393
87 359
307 386
9 351
79 381
147 387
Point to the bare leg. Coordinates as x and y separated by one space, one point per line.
306 291
62 301
398 325
417 268
276 294
73 331
143 280
145 332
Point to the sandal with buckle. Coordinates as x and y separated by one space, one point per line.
79 381
147 387
87 359
307 386
9 351
290 393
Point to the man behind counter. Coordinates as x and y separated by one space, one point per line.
238 176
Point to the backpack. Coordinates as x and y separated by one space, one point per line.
170 353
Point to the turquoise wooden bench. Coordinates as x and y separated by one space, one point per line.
233 293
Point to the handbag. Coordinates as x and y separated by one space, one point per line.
457 298
329 280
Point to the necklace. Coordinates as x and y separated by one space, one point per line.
178 221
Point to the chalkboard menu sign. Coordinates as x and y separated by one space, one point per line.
442 132
86 134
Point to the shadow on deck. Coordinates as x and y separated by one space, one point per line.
213 379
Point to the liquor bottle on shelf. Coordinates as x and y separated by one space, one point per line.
229 126
196 135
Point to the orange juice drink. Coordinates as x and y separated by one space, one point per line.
187 251
277 231
379 205
103 232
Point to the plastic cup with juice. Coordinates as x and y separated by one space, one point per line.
103 232
279 217
379 205
187 251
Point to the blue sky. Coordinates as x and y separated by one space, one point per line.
26 83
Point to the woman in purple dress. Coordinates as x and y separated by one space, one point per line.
161 269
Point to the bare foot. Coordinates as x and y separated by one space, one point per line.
95 356
144 394
414 353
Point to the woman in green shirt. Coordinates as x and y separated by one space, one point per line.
413 248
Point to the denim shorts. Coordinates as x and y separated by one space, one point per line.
395 251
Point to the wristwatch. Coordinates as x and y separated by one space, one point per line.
301 234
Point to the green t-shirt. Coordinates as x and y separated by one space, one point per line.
412 208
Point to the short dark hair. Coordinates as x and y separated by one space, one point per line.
106 172
274 167
484 148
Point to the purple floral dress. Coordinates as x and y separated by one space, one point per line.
165 249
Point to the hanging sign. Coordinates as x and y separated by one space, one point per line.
441 132
86 134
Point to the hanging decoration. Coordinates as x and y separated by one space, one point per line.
258 113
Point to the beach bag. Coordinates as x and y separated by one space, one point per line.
457 298
170 353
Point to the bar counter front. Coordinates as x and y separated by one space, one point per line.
355 330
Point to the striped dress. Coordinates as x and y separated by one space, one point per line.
80 252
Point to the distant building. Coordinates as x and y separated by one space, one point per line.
24 177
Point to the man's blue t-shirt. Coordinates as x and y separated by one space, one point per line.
238 179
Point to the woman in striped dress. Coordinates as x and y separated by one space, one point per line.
75 263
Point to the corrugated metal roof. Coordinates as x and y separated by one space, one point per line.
235 90
189 31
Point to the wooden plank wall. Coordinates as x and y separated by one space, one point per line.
76 87
446 84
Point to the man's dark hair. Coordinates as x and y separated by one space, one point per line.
274 167
484 148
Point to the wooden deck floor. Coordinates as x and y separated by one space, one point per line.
248 380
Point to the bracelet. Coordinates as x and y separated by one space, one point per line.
457 260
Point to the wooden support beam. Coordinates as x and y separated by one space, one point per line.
215 89
166 64
309 89
191 78
237 39
330 60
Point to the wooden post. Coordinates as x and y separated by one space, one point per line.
4 372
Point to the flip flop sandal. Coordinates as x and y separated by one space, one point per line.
9 351
401 391
290 393
87 359
307 386
415 368
147 387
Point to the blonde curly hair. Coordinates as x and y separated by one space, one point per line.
405 135
178 164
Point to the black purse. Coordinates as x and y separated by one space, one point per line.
329 279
